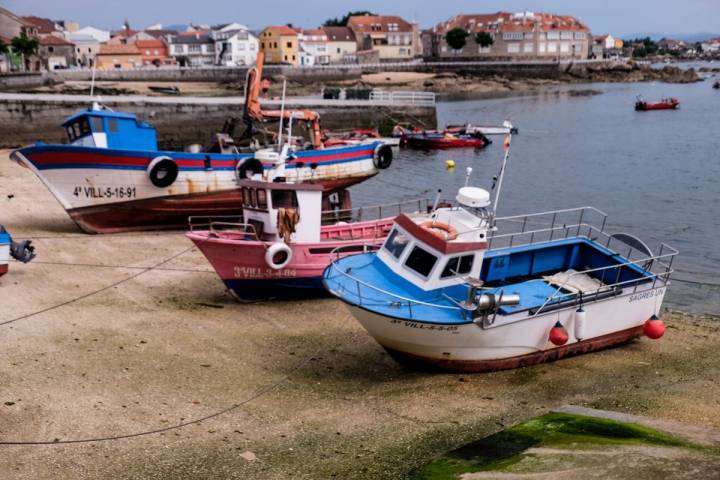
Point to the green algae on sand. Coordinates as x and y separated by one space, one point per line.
503 450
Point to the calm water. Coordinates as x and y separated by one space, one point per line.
656 174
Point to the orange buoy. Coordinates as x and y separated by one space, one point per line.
558 335
654 328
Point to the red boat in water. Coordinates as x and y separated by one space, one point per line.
432 141
665 104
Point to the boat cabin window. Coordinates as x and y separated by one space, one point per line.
112 125
458 266
421 261
262 199
284 199
77 129
97 124
396 243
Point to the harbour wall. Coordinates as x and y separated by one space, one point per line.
28 118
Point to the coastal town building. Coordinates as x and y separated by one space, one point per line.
86 48
280 44
514 36
392 37
711 46
341 43
118 56
194 49
154 51
12 26
313 46
605 46
98 34
55 52
235 45
43 26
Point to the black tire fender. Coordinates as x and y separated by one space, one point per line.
162 171
250 165
383 156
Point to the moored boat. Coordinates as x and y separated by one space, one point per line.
442 141
22 251
111 177
447 291
284 240
716 85
670 103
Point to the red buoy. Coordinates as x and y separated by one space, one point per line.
654 328
558 335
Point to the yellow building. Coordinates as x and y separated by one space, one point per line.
120 56
280 45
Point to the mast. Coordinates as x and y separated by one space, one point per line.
506 148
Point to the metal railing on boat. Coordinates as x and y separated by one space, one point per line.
650 267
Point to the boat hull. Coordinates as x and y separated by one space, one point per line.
513 341
241 264
4 258
107 190
645 107
443 144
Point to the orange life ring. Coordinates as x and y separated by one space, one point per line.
436 228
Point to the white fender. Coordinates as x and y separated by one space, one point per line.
274 250
580 321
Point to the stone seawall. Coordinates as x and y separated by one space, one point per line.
26 119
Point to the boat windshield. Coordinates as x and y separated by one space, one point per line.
396 243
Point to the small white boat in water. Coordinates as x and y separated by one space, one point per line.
460 289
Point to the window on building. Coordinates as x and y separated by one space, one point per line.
288 44
481 49
293 58
194 48
458 266
179 48
566 35
552 47
513 48
147 52
529 47
241 47
338 50
396 243
286 58
252 47
512 36
421 261
529 35
274 44
51 49
564 47
262 45
553 35
541 47
580 35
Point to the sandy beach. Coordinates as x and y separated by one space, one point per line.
114 336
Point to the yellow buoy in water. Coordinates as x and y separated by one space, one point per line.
450 164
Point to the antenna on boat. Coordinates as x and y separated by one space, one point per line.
282 114
468 172
92 82
506 147
437 199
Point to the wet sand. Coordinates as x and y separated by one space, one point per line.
314 395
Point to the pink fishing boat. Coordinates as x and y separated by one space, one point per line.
284 240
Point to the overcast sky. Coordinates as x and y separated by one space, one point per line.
619 17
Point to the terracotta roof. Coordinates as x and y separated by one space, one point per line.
54 40
154 43
339 34
379 23
511 22
44 25
282 30
124 33
118 49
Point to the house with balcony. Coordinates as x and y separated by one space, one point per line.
235 45
280 44
314 48
194 49
522 35
341 43
86 48
392 37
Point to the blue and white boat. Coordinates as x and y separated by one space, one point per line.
111 176
460 289
22 251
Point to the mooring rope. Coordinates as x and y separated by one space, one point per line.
95 292
262 391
